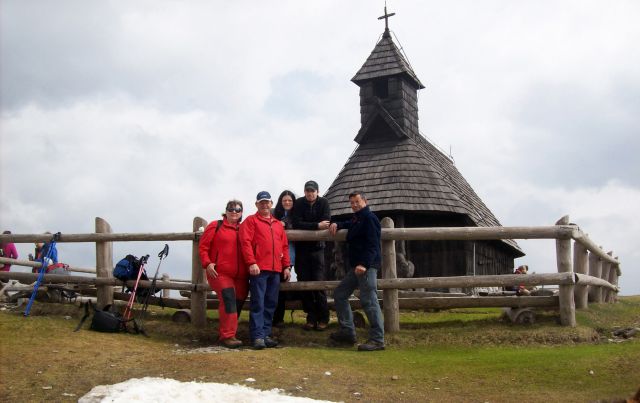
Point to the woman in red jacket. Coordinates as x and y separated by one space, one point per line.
226 272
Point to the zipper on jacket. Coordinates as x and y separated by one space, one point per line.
238 252
273 247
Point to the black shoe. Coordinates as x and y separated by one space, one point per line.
371 345
321 326
309 326
269 342
259 344
343 337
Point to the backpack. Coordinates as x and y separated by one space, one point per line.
107 320
127 269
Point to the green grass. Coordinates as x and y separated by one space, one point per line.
456 355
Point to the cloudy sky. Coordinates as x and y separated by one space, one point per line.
149 113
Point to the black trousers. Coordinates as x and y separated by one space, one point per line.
310 267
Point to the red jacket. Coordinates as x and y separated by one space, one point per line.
264 242
222 247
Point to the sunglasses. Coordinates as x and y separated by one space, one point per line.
234 210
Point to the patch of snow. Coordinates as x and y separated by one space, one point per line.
169 390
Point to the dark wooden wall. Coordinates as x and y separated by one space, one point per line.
441 258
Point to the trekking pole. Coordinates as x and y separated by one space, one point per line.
163 253
43 270
152 290
127 311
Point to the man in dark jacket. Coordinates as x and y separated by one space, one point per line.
365 258
312 212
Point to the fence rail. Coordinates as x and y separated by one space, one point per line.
588 274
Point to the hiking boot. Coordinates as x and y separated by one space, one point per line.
258 344
308 326
231 342
343 338
269 342
321 326
371 345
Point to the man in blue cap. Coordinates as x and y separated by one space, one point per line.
266 251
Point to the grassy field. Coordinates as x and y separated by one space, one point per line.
457 355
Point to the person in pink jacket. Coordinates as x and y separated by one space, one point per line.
226 271
266 251
7 250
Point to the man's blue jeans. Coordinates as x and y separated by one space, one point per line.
264 298
368 298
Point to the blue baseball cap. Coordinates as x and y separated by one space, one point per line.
264 195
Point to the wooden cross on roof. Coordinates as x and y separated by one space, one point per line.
386 17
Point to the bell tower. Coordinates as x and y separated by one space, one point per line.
388 91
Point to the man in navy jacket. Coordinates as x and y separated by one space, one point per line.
365 258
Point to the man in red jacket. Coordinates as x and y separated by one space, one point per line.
266 251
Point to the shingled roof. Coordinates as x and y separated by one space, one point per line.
406 174
385 60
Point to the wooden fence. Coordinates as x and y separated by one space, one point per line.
586 273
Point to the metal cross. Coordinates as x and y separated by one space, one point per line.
386 17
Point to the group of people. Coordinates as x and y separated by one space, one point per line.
42 250
255 256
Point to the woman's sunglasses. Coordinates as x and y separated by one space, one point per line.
234 210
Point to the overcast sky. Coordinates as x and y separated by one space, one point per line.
149 113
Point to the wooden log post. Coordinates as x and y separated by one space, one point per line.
198 296
104 264
580 257
613 279
566 302
606 268
595 270
390 296
615 273
166 293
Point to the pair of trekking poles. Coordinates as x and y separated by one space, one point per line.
127 316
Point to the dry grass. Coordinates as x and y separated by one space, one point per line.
461 355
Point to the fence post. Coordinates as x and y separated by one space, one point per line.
611 278
390 296
166 293
595 270
580 256
104 264
563 254
606 268
198 298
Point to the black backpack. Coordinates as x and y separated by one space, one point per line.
107 320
